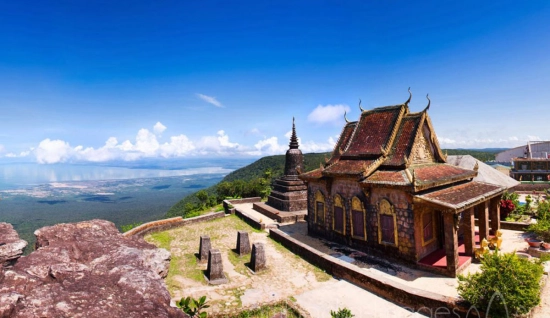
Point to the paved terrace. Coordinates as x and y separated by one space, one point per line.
348 295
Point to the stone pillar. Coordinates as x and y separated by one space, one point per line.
494 211
451 243
483 215
204 248
469 232
214 271
243 243
257 260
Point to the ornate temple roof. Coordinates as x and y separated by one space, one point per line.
391 146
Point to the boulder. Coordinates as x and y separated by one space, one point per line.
87 269
11 246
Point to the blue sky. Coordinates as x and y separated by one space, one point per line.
125 80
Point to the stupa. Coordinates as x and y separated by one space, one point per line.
289 192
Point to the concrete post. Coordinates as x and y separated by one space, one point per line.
214 271
257 260
451 243
243 243
469 232
204 247
483 215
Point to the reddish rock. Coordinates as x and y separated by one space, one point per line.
11 246
87 269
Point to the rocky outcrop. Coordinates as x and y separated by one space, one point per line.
11 246
87 269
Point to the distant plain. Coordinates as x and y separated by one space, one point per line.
33 196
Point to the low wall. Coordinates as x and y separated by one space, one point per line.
412 298
228 203
250 220
167 224
514 226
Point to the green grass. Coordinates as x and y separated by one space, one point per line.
191 269
162 239
266 311
239 262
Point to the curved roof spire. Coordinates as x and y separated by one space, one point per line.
360 108
410 96
347 121
429 102
293 139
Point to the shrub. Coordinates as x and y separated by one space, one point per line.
341 313
508 285
193 307
128 227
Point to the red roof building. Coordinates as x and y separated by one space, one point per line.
387 190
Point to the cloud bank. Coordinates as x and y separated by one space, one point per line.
149 144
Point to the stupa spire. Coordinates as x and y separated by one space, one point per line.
293 139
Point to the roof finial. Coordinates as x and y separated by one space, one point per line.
293 139
429 102
410 96
347 121
360 108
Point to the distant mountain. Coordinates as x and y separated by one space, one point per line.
249 173
277 166
487 154
495 150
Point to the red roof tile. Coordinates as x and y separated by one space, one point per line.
462 195
388 177
404 140
342 142
373 131
314 174
347 168
441 174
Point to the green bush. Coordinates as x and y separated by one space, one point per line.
128 227
193 307
341 313
508 285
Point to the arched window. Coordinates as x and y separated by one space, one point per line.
428 227
338 217
319 208
358 219
387 223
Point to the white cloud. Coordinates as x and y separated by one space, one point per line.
331 114
253 131
53 151
147 145
533 138
268 146
210 100
159 128
502 142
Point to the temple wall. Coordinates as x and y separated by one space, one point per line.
402 202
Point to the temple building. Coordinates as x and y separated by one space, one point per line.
388 191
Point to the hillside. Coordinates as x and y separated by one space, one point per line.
246 176
251 176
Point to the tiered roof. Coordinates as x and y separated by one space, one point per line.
392 147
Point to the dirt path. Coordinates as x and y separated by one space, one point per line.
286 276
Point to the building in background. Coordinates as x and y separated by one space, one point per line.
530 162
